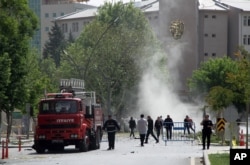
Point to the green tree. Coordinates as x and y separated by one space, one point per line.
240 81
111 49
50 72
210 80
18 24
36 81
53 48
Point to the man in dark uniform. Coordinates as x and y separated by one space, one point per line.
168 124
151 130
111 126
206 131
132 126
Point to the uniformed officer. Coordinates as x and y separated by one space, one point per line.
206 131
111 126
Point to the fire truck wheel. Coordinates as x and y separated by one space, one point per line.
84 145
95 140
40 150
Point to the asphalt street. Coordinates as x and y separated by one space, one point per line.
127 151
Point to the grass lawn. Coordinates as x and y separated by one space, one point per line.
219 159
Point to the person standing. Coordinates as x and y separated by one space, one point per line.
158 126
150 130
206 131
142 128
168 124
132 126
111 126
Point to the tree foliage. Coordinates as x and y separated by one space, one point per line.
53 48
108 52
210 80
240 81
223 81
18 24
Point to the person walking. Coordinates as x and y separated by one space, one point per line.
111 126
150 130
158 126
206 131
191 124
132 126
142 128
168 124
186 125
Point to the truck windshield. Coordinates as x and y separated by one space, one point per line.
65 106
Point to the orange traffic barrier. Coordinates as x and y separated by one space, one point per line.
242 142
2 149
19 144
7 149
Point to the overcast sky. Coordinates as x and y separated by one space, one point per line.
101 2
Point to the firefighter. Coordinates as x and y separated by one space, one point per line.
111 126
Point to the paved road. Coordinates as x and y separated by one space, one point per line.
127 151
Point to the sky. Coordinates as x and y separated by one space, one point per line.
101 2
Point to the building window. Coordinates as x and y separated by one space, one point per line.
206 35
248 20
245 40
62 14
206 16
75 27
213 54
213 35
64 28
54 14
248 40
213 16
46 29
156 17
46 15
245 20
205 54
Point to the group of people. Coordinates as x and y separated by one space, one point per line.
146 127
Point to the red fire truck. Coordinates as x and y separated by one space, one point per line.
71 117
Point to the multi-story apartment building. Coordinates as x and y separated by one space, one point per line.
238 24
48 10
211 29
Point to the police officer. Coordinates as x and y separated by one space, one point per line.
206 131
111 126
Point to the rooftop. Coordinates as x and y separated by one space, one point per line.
240 4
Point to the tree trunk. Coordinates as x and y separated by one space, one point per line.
9 124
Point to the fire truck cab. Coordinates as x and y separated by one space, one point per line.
71 117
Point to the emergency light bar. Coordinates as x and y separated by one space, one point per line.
59 95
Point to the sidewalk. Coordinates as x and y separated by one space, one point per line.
215 148
14 143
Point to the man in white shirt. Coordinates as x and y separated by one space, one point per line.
142 128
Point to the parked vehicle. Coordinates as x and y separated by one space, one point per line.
71 117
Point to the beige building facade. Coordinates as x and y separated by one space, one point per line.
51 9
211 29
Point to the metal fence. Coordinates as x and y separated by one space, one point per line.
178 132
